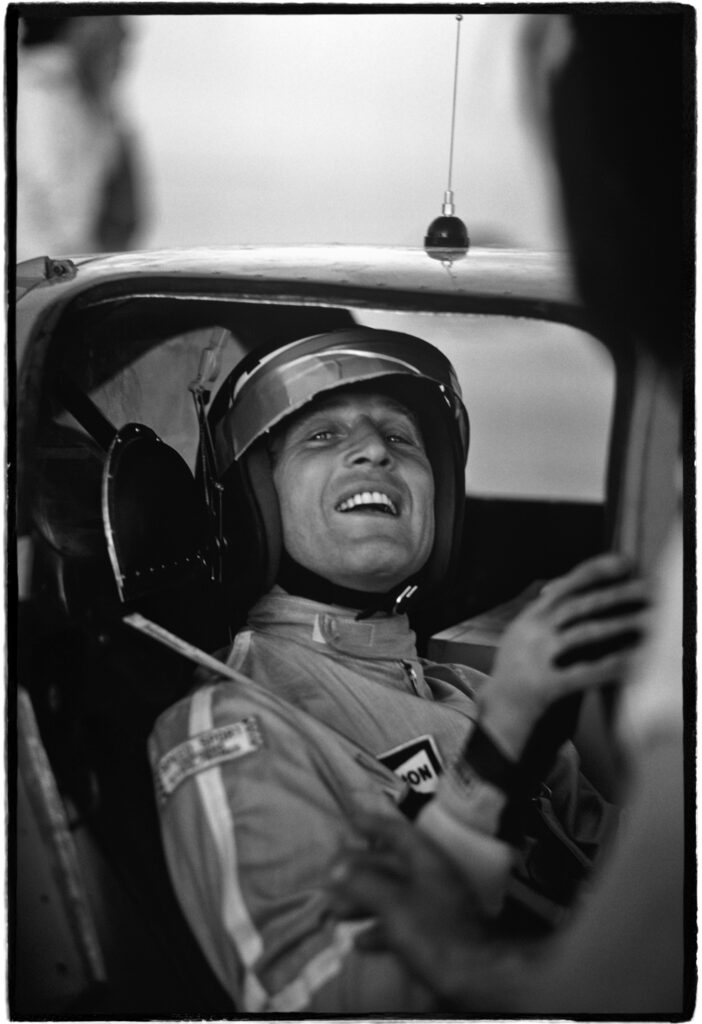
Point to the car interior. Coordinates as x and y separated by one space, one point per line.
122 521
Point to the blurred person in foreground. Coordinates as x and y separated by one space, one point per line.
78 188
616 102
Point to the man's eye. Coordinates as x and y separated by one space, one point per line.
395 438
322 435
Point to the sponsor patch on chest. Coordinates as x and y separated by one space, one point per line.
205 750
417 762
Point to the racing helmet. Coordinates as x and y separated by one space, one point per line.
268 386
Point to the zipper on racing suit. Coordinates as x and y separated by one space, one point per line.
412 675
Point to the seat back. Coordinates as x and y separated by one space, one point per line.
159 538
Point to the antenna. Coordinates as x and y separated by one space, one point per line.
459 19
448 232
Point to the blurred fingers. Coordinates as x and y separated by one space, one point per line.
358 888
629 627
587 675
632 595
386 833
385 862
599 570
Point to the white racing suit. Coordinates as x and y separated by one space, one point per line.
258 784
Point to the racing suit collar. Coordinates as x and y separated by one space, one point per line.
296 579
333 627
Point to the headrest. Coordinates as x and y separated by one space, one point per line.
155 521
160 539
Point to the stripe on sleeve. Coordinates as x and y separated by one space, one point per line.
320 969
297 994
237 921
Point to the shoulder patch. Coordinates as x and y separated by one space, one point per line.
417 762
226 743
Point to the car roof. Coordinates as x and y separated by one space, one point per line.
488 271
508 281
506 274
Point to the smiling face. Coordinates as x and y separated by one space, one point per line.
356 491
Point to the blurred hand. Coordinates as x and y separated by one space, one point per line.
594 604
423 909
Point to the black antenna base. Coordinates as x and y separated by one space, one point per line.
447 234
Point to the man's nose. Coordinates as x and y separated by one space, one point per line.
368 444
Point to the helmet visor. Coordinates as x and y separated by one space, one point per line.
286 380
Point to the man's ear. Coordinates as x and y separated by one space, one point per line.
265 508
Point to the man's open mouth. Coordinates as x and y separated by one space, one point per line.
368 501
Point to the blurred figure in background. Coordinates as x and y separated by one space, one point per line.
78 188
612 90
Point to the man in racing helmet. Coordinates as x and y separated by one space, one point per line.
267 390
341 457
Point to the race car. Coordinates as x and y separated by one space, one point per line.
119 359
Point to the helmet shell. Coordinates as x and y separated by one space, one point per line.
268 387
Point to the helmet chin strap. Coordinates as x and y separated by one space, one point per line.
296 579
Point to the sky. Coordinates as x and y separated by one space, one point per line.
283 128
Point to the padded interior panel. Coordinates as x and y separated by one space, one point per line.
507 544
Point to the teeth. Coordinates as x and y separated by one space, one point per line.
368 498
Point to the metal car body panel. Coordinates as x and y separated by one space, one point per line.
489 272
518 282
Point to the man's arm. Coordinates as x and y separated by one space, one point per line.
253 814
595 604
623 952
